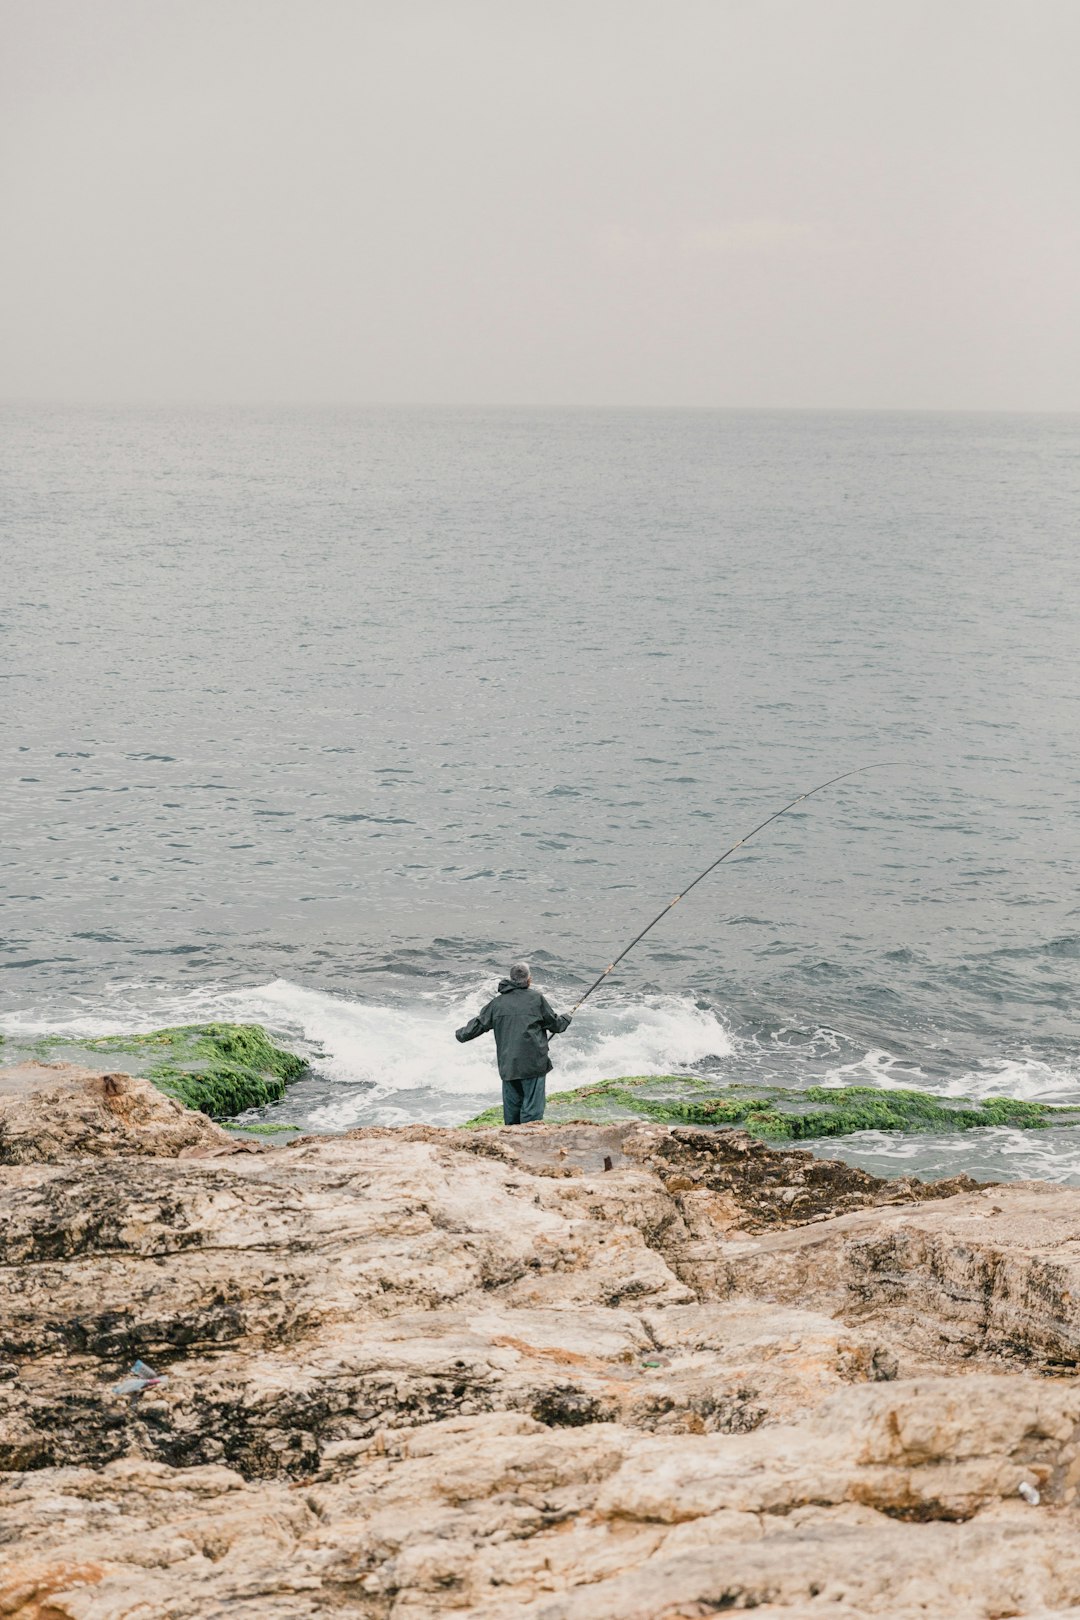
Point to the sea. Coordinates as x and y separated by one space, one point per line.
322 717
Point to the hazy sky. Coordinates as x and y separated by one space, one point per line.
670 202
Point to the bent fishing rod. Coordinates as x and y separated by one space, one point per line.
745 839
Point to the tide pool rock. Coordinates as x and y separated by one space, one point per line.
220 1069
778 1113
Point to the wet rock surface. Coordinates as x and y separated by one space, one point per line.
480 1373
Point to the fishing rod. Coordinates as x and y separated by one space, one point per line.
744 840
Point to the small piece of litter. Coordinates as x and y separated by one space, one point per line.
140 1377
1029 1493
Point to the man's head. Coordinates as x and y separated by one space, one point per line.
519 974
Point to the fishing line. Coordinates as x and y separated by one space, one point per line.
881 765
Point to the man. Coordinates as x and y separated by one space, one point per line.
522 1021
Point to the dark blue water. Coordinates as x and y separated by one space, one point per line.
322 717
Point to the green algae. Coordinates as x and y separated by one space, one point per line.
219 1069
259 1128
488 1116
778 1114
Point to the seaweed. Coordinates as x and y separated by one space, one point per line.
782 1114
489 1116
262 1127
219 1069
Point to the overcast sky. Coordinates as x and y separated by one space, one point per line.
639 202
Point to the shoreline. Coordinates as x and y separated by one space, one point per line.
231 1072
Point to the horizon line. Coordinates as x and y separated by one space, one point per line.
148 402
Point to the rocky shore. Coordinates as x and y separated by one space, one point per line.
623 1369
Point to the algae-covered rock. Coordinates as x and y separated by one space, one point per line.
776 1113
219 1069
261 1128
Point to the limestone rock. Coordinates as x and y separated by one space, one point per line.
50 1112
422 1372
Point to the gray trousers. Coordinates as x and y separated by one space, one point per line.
523 1100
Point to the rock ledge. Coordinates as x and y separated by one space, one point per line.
424 1372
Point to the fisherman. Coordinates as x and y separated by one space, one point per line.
522 1021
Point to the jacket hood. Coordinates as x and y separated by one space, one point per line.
508 984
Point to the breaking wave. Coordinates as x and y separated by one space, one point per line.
397 1059
406 1047
392 1059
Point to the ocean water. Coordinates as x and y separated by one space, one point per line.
322 717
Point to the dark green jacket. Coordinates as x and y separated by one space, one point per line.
522 1021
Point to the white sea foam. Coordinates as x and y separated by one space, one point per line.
411 1046
876 1068
128 1009
406 1043
994 1153
1027 1078
1024 1078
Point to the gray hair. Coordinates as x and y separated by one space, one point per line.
519 973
